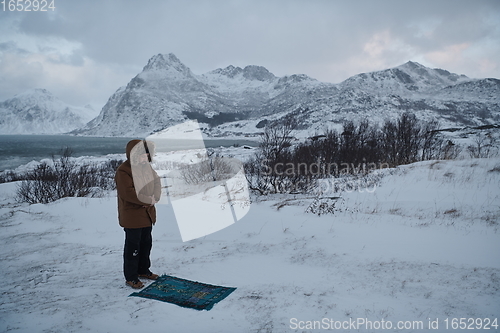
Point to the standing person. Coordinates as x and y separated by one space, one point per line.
138 188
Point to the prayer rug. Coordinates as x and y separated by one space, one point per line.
185 293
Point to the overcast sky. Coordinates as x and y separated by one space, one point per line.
85 50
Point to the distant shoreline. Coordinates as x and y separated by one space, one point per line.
18 150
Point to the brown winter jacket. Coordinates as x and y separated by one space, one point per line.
135 210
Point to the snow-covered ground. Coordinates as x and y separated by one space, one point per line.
424 245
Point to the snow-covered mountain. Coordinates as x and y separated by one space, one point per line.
409 77
454 100
156 98
246 88
234 100
166 92
37 111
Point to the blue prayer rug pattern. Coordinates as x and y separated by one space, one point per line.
185 293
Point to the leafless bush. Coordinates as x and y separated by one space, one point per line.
264 170
279 167
409 140
210 169
9 176
65 178
449 151
431 141
484 146
322 205
495 169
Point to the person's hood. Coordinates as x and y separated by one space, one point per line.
139 148
130 145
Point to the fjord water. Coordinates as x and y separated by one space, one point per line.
16 150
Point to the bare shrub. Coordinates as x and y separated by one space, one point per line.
495 169
65 178
408 140
323 205
280 167
484 146
449 151
212 168
264 171
9 176
431 141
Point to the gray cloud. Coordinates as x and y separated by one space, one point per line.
328 40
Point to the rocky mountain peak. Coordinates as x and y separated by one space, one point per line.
36 94
38 111
258 73
169 61
251 72
230 71
412 65
294 79
436 75
411 76
30 98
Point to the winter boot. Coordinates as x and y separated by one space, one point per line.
135 284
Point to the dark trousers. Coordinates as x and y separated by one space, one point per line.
138 243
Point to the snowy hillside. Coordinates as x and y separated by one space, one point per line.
421 246
233 100
454 100
247 88
409 77
155 99
37 111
